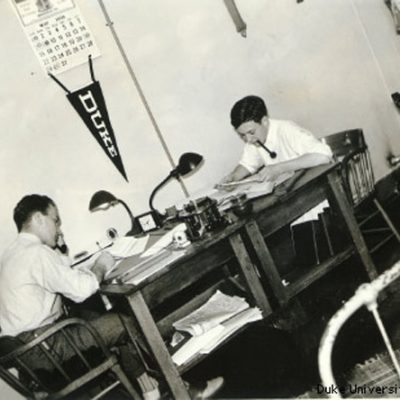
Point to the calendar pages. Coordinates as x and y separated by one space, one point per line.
57 33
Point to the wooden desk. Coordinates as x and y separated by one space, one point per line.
220 250
273 212
217 251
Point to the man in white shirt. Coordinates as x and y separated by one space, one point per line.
33 279
279 146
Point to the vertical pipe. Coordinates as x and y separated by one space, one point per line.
132 74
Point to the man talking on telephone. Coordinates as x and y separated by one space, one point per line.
34 278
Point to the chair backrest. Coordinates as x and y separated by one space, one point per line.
58 378
349 147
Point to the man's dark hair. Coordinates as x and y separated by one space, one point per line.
250 108
29 205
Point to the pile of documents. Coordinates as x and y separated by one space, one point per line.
212 323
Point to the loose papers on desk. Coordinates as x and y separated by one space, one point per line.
128 246
145 267
212 323
122 247
253 186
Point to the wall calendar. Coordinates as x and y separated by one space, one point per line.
57 33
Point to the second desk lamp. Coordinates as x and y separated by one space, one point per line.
103 200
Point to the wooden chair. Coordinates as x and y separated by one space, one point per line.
62 380
349 147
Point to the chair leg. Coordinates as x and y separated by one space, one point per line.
387 219
125 382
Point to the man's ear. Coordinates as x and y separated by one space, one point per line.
264 120
37 218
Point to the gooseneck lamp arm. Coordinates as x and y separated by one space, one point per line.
156 189
135 227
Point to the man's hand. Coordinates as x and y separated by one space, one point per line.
104 263
226 179
237 174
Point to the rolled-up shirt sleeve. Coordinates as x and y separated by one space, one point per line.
251 159
57 277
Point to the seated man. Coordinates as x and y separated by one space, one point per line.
279 146
33 279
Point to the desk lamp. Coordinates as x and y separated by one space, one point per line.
188 162
103 200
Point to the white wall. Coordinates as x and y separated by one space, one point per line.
328 65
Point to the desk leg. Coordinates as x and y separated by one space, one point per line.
249 273
266 261
157 346
346 210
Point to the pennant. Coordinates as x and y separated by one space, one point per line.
89 103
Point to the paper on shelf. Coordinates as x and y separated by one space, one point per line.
210 339
232 325
218 308
195 344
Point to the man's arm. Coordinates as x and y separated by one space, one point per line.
271 172
103 263
75 284
237 174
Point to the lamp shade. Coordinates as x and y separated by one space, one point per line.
187 163
102 200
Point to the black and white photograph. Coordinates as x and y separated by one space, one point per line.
200 199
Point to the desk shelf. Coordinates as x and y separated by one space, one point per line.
301 279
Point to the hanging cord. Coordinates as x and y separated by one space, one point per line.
132 74
59 83
91 68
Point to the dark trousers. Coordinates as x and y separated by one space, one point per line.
110 328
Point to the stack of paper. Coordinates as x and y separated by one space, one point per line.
212 323
149 266
218 308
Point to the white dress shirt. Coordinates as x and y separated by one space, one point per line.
32 278
287 140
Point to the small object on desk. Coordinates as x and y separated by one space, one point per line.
241 205
180 240
149 221
165 241
201 216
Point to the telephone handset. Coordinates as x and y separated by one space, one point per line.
61 246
